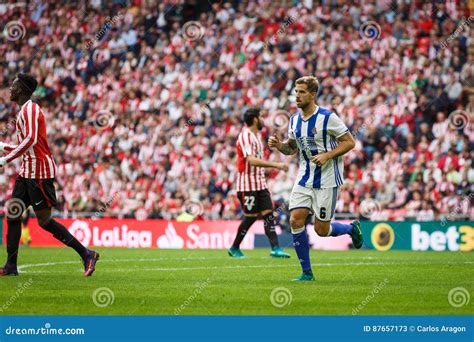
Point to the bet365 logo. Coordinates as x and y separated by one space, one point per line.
441 241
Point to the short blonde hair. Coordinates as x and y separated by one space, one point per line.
311 82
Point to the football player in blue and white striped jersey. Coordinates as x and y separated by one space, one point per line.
321 139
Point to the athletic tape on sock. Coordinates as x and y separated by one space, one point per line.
297 230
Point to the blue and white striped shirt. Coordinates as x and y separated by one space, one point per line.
318 134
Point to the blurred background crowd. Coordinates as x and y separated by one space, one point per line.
144 99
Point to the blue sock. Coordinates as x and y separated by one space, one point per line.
338 228
301 244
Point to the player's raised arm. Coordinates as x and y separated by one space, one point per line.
287 147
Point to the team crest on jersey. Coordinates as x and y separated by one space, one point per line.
314 130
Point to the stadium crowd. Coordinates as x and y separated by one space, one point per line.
144 102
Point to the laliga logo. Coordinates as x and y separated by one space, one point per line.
81 232
110 237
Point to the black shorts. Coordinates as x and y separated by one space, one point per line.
254 202
39 193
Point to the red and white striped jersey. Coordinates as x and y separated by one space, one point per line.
32 145
249 178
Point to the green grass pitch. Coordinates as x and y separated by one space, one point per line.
208 282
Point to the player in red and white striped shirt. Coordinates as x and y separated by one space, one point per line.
32 144
35 183
251 177
252 186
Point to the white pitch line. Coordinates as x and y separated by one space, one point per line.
127 260
22 267
392 261
107 270
122 270
229 267
191 268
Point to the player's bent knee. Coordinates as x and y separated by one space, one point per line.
321 228
296 223
43 222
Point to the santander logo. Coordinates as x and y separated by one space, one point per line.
170 239
198 237
195 237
